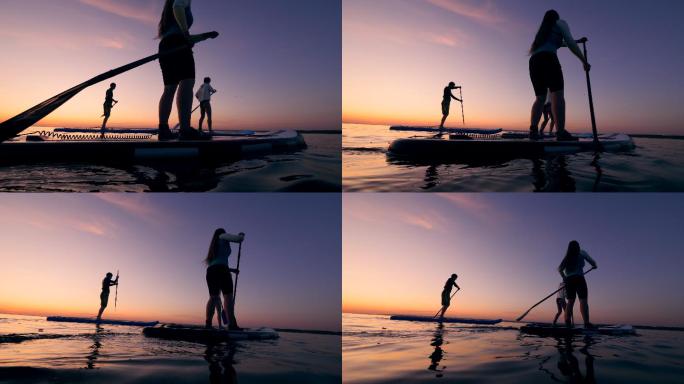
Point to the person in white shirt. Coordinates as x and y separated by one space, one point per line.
571 270
204 96
548 116
219 278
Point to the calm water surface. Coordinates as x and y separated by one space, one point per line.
378 350
654 165
33 350
316 169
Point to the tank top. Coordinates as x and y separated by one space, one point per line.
173 27
553 42
221 253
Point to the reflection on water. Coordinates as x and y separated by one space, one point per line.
378 350
569 365
35 350
221 358
316 168
437 356
95 347
654 165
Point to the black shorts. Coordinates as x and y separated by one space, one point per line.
104 298
446 299
178 65
219 280
107 110
576 286
445 108
546 73
204 106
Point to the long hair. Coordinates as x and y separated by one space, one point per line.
571 255
550 19
166 18
214 243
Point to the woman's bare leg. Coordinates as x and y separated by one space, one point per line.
568 311
558 110
184 102
584 309
537 111
166 104
210 311
230 310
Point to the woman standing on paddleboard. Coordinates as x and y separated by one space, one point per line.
546 73
571 270
219 279
178 68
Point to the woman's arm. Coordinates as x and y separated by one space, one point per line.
570 41
588 258
179 13
233 238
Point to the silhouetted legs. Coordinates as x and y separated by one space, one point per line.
214 306
183 103
584 310
558 110
561 308
205 109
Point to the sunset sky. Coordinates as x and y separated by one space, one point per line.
399 249
276 64
57 248
398 55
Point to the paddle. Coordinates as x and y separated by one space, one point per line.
460 91
20 122
544 299
583 41
223 313
237 274
450 297
116 295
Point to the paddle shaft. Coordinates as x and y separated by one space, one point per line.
544 299
116 294
583 41
450 297
237 274
193 111
460 91
26 119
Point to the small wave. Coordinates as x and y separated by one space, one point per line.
364 149
19 338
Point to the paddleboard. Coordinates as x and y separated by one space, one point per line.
150 131
444 320
560 330
464 131
199 334
103 321
122 149
525 135
433 148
